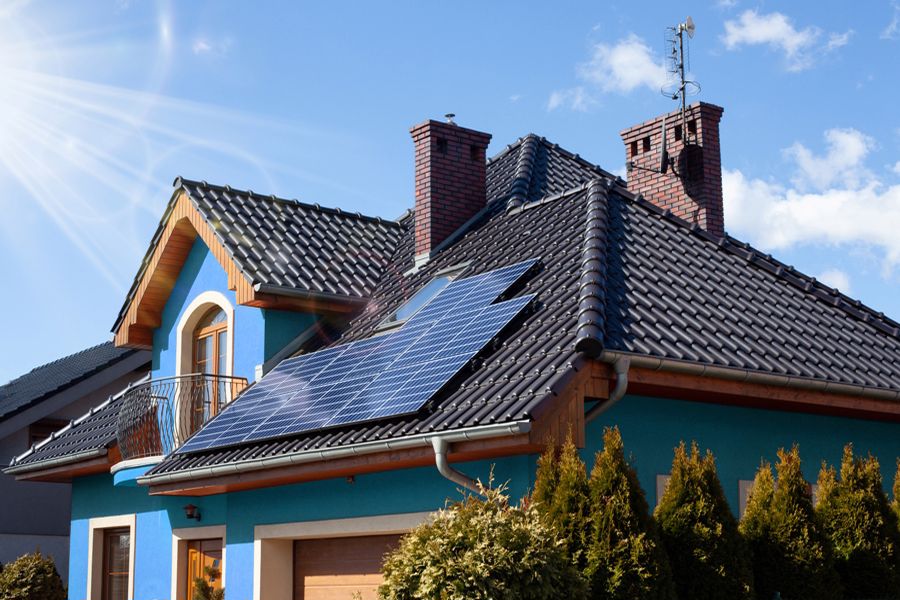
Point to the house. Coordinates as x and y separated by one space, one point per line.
322 381
33 407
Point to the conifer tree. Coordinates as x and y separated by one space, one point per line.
896 503
790 553
709 559
561 496
857 518
625 557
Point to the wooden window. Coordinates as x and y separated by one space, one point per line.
211 343
202 554
116 558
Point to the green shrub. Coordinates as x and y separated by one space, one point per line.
625 557
857 518
791 555
709 558
896 503
202 588
482 550
31 577
561 497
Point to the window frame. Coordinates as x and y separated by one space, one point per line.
97 531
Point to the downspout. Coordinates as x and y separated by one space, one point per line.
441 447
621 366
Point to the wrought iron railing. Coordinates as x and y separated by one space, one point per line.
159 415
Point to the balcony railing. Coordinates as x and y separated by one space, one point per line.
159 415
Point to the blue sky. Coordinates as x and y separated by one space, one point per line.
103 103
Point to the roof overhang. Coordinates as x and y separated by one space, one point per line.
64 469
181 224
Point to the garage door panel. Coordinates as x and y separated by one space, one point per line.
336 568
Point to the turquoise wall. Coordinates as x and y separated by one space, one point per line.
651 428
258 333
739 438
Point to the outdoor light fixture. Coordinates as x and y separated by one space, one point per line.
192 512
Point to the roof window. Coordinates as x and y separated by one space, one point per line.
431 289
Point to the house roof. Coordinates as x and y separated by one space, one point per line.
285 246
625 275
52 378
90 435
617 274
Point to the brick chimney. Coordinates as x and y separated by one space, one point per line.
692 186
450 180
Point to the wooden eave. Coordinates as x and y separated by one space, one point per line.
184 224
67 472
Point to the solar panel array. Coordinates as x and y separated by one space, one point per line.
384 376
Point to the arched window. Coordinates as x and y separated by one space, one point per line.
210 343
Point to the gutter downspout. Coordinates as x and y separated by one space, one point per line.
441 447
621 366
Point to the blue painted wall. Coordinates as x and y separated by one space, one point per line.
651 427
258 333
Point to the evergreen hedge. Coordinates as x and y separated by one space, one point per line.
625 557
482 550
791 555
862 527
709 559
31 577
561 497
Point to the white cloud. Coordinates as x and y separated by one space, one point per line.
515 97
204 45
837 279
621 68
896 167
848 211
892 29
776 31
838 40
576 98
843 160
726 3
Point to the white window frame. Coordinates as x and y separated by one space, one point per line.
273 546
96 529
452 273
180 539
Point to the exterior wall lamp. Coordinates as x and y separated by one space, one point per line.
192 512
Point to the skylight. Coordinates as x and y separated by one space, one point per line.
423 296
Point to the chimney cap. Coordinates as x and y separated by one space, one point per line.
449 117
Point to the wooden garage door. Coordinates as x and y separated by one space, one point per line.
336 568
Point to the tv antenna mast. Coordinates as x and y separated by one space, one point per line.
677 62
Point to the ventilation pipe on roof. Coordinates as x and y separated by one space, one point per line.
441 448
621 366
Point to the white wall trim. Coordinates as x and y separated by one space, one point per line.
273 546
96 526
180 539
185 330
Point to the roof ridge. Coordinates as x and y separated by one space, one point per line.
851 306
589 331
518 193
180 181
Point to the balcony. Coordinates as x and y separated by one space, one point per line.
159 415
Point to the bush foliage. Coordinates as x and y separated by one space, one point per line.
482 549
31 577
561 496
790 553
709 558
862 527
625 557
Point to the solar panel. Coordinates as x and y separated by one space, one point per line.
385 376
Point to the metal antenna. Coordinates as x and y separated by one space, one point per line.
681 87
